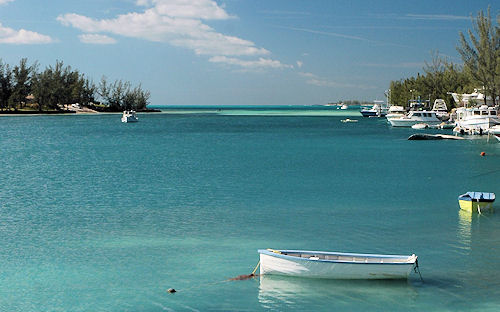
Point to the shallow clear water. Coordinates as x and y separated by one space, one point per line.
97 215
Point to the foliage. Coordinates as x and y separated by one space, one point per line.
6 87
121 96
481 57
22 83
481 69
440 77
57 86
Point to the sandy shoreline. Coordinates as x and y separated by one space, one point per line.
71 111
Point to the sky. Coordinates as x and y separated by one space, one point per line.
240 52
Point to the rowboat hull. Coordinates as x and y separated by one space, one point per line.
316 264
476 201
473 206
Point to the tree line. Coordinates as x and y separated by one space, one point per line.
480 69
25 87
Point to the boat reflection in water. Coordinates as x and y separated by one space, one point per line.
470 230
278 292
465 228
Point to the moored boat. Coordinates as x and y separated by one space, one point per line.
495 131
349 120
335 265
416 117
466 99
129 116
476 120
377 110
476 201
441 109
395 111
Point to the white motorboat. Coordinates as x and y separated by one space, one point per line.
475 120
344 106
441 109
468 99
335 265
415 117
129 116
495 131
395 111
377 110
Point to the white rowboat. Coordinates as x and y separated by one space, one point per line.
335 265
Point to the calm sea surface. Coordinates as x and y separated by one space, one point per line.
97 215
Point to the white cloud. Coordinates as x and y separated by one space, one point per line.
344 36
252 64
5 1
307 75
96 39
299 64
22 36
197 9
179 23
441 17
313 79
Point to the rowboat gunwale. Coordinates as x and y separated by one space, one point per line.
478 197
410 260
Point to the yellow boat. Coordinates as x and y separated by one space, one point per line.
476 201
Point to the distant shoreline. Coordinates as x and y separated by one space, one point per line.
19 112
67 112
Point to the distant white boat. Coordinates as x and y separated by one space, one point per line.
395 111
335 265
377 110
349 120
129 116
441 109
468 99
415 117
344 106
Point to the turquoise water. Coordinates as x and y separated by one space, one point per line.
97 215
